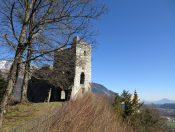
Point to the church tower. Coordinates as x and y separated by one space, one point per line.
74 65
82 78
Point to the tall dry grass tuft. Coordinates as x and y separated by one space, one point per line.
88 114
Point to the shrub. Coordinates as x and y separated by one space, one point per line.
141 119
147 120
90 114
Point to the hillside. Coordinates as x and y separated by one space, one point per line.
99 89
22 114
167 106
91 114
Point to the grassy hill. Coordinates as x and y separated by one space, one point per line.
22 113
91 113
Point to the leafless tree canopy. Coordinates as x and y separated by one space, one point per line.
51 24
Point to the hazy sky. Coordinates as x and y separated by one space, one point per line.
136 49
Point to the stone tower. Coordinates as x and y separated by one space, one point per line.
75 65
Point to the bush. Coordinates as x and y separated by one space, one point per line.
147 120
90 114
141 119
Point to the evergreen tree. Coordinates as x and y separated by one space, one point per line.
117 105
127 104
147 120
126 99
136 103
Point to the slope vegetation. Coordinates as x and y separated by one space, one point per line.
21 114
90 113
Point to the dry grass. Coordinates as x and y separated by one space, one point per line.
88 114
21 113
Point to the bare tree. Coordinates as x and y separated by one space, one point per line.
42 27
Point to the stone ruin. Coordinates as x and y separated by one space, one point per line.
72 67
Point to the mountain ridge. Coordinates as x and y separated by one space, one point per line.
161 101
99 89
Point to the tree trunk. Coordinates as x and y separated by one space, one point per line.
24 86
10 85
15 67
26 76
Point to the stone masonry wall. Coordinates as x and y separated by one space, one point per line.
76 60
83 65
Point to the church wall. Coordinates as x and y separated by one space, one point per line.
76 60
83 65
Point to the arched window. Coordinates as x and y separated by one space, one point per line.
82 78
85 53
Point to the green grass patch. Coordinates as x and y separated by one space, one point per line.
21 113
171 125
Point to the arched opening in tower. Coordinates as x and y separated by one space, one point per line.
82 78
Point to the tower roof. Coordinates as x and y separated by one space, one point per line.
76 40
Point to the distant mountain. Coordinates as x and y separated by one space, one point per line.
167 106
5 65
99 89
162 101
4 70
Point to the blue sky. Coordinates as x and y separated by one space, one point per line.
136 48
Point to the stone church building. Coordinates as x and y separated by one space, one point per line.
72 71
76 61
